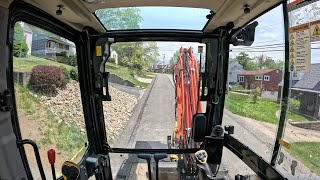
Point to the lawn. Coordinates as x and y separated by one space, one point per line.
27 63
308 153
68 140
263 110
237 88
125 73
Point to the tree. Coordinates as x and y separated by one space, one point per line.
261 60
175 57
265 62
120 18
246 62
136 54
20 47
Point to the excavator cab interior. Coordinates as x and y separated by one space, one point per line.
195 147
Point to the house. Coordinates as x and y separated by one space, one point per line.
162 68
266 79
295 77
27 33
234 70
49 47
307 91
114 55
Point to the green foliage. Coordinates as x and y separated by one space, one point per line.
68 140
66 76
308 153
112 60
137 55
294 104
256 94
120 18
27 63
246 62
20 47
71 60
125 73
74 74
175 57
265 62
263 110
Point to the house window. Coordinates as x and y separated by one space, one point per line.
295 74
241 78
258 77
266 78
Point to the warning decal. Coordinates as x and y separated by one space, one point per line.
98 51
300 48
315 31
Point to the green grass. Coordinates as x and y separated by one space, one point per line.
264 110
308 153
68 140
27 63
237 87
125 73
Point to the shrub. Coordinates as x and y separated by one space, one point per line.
20 47
294 104
112 60
256 94
66 76
72 60
74 74
46 79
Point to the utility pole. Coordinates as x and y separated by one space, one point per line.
164 57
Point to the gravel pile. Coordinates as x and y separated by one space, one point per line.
67 108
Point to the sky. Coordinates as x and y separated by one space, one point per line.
269 32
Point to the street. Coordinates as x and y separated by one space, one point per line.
153 120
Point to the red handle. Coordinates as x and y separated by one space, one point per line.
52 156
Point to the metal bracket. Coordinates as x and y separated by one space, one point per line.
6 101
105 97
95 164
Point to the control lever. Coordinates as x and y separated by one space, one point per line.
148 158
52 159
202 157
158 157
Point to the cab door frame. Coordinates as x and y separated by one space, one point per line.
21 11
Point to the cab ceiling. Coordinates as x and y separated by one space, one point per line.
78 13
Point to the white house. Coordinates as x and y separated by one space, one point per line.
27 32
114 55
234 69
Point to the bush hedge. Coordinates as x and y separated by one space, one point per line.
74 74
71 60
46 79
66 76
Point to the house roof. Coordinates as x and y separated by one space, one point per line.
311 79
256 72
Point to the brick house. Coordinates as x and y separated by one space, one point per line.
267 79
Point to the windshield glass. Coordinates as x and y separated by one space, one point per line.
153 18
